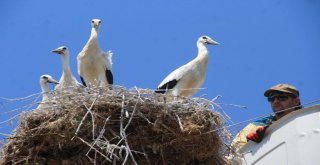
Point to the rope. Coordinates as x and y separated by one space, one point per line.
259 117
22 98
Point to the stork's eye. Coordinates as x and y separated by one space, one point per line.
204 38
64 48
45 77
92 21
99 21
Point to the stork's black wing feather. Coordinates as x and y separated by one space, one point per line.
169 85
83 82
109 76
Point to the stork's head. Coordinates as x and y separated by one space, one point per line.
207 40
62 50
95 23
44 79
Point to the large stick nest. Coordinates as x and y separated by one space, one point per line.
129 126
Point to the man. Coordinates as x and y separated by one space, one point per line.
283 98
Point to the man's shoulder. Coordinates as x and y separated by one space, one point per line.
267 120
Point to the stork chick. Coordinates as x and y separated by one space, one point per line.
46 93
95 65
67 80
187 79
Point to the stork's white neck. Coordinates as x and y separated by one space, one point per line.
93 40
202 50
45 90
65 64
94 32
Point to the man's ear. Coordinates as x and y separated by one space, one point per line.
296 101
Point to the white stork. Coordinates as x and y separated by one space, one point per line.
67 80
95 65
186 80
46 94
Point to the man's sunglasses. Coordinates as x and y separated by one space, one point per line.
279 97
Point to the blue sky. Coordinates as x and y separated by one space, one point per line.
262 43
